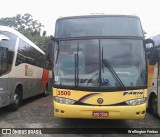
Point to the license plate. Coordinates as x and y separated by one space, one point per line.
100 114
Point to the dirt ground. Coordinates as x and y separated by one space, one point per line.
37 112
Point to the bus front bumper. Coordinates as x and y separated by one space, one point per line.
113 112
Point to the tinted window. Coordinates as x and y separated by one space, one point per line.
7 47
28 54
98 26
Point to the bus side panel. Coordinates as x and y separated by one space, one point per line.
44 80
5 91
152 79
29 77
158 95
158 91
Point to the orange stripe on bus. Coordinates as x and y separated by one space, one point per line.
45 77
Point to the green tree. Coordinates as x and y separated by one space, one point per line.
29 27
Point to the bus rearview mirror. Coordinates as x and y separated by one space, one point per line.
157 55
149 43
152 56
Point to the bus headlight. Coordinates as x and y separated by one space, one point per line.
64 100
137 101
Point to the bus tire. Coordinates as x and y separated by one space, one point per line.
16 101
153 104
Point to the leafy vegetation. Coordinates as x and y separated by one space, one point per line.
29 27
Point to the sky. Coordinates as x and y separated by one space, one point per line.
47 11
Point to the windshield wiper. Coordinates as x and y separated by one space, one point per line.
116 77
77 67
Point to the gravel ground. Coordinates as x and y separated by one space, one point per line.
37 112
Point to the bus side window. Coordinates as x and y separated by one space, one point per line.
20 59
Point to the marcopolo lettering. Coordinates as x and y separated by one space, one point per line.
132 93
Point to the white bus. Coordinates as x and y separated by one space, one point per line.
23 70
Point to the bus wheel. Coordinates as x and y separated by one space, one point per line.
153 105
16 101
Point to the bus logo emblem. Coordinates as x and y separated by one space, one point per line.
100 100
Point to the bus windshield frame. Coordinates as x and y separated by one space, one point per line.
130 73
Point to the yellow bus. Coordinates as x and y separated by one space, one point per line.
154 78
100 67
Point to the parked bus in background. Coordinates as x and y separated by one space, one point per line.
100 69
154 78
23 70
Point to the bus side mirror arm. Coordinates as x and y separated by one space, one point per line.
149 41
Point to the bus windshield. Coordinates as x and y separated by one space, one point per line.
99 26
7 47
106 52
80 63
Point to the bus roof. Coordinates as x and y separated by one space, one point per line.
12 30
97 16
